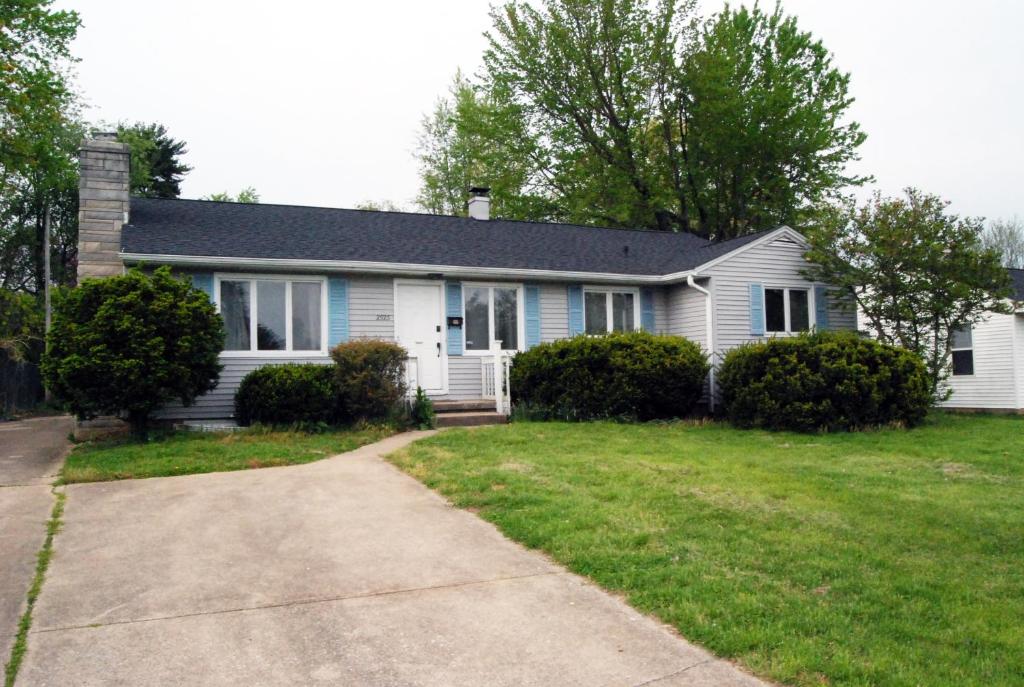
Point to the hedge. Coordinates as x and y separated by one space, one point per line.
288 394
370 377
634 376
823 381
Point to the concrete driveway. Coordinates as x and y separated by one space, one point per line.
341 572
31 453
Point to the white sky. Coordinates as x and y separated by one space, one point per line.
319 103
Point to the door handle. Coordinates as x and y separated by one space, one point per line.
438 349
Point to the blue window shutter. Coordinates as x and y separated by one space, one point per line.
756 310
453 308
575 310
532 308
647 310
337 311
204 282
821 308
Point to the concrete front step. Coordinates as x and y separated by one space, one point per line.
482 404
469 419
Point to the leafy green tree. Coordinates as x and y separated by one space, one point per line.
380 206
246 195
915 272
1007 237
35 94
21 325
156 166
631 113
132 343
472 138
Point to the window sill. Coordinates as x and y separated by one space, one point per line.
274 354
486 354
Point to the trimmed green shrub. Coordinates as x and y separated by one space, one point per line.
288 394
130 344
636 375
370 378
823 381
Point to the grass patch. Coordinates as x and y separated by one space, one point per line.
189 453
875 558
42 563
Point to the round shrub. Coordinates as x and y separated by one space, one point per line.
288 394
824 381
634 375
130 344
369 377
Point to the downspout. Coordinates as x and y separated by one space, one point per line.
709 328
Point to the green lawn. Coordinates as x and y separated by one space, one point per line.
877 558
187 453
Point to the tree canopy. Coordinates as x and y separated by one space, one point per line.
915 272
246 195
156 166
1007 237
625 113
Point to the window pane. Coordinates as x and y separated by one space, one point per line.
799 315
963 362
962 338
476 325
774 310
305 316
506 318
270 320
596 313
622 312
234 308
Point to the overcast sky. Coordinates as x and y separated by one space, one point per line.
319 103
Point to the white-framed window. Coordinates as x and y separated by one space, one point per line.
787 310
610 310
962 347
272 315
492 312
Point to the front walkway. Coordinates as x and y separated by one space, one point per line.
341 572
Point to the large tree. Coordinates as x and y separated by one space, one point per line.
628 113
1007 237
156 166
915 272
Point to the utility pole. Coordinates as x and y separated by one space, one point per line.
46 264
46 282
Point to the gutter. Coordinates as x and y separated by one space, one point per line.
421 270
709 328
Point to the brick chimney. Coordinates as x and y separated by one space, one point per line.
480 202
102 205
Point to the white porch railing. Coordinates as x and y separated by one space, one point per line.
494 378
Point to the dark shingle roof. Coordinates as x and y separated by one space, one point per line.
1017 277
215 229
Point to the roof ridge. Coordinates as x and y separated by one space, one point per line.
430 214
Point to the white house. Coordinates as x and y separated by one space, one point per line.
291 282
988 360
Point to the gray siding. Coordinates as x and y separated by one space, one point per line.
1018 336
464 380
661 319
686 313
220 403
554 312
996 371
371 307
775 264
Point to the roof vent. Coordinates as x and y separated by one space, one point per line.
480 202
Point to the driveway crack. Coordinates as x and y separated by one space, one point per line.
303 602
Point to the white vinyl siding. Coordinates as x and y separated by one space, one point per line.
554 312
1018 357
687 314
220 403
994 382
371 307
777 264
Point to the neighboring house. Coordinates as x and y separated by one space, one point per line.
988 360
291 282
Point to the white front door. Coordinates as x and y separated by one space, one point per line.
419 328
